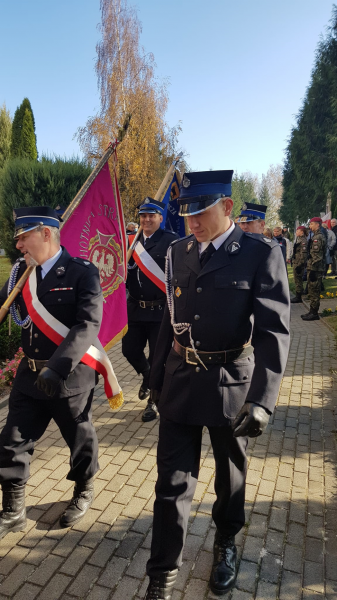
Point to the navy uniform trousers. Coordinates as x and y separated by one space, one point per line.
28 419
178 460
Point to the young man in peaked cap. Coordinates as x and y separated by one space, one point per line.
213 367
146 299
51 383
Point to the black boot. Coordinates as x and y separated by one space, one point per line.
223 574
297 299
161 586
81 501
13 515
144 391
312 316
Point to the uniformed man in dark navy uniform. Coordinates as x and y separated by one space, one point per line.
252 217
51 383
220 356
146 301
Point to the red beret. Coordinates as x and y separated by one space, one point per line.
316 220
301 227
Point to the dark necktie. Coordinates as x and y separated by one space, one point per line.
145 240
38 274
206 254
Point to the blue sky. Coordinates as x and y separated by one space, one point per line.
238 71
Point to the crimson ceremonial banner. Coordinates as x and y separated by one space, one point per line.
95 231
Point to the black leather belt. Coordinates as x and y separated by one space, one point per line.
146 303
213 358
35 365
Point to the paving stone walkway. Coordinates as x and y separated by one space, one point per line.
288 548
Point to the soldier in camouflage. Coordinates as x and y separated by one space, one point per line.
315 268
299 261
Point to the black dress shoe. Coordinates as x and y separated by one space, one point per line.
13 515
223 574
144 390
150 413
161 586
80 503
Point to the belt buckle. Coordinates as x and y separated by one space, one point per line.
31 364
142 304
187 353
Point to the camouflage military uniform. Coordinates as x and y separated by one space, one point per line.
299 260
315 268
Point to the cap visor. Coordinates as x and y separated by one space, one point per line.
197 207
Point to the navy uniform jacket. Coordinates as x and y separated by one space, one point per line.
141 287
80 309
241 293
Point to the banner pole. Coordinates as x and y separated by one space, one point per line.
159 196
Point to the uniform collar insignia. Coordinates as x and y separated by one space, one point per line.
267 240
189 246
233 247
60 271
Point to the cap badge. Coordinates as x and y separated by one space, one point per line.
14 215
146 201
244 206
178 292
189 246
234 247
186 182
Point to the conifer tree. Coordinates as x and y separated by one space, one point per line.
27 147
17 127
5 135
310 170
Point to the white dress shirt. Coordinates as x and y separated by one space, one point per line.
48 264
218 241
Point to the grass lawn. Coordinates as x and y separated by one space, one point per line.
330 283
5 269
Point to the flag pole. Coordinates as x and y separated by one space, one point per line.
159 196
109 151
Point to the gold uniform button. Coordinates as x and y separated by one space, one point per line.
37 350
197 369
199 290
36 335
198 344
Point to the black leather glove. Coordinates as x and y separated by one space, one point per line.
312 276
251 420
48 381
298 269
155 396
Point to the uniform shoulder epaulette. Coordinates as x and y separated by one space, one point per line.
182 239
81 261
170 231
262 238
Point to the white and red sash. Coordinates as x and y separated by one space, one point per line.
148 265
57 332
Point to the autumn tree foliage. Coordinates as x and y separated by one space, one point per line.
128 86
